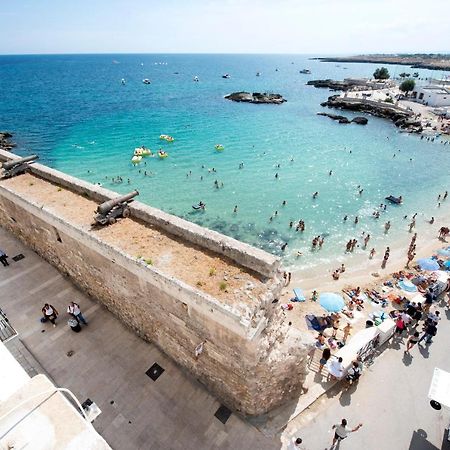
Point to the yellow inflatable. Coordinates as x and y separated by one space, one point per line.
219 147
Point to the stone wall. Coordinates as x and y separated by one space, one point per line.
251 364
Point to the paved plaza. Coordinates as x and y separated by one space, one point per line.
108 365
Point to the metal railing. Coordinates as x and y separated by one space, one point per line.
7 332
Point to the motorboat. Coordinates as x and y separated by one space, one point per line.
146 81
227 75
305 71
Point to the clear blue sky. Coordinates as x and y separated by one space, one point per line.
223 26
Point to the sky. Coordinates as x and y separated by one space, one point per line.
224 26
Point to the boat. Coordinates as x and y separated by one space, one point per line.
166 137
305 71
162 154
195 78
395 200
258 74
136 159
219 147
123 81
227 75
146 81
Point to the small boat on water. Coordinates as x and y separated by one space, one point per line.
195 78
142 151
146 81
136 159
219 147
305 71
258 74
227 75
123 81
162 154
395 200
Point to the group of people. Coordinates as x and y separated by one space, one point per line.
50 313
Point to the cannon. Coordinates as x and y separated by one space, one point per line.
109 211
17 166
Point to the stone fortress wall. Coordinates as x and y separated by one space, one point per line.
252 360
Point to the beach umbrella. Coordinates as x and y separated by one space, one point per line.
444 252
447 264
428 264
331 302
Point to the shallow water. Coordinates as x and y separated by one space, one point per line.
75 113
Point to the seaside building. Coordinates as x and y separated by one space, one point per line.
35 414
432 95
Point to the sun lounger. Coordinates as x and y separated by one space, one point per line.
298 295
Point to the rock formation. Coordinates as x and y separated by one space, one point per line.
401 118
342 119
256 97
5 142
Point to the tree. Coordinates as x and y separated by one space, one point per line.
407 85
381 74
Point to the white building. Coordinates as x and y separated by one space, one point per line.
432 95
35 415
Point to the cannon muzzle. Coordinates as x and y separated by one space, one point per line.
105 207
14 162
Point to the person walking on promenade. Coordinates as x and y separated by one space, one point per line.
50 313
4 258
74 310
412 341
347 330
326 354
341 431
430 332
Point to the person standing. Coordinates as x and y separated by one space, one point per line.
412 341
347 330
4 258
50 313
74 310
326 354
341 431
430 332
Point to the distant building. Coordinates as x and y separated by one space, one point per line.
432 95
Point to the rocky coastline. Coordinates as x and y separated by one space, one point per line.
334 85
432 62
402 119
256 97
5 140
342 119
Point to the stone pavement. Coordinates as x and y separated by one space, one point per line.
108 365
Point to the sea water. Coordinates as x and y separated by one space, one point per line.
76 114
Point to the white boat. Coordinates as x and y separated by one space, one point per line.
227 75
305 71
146 81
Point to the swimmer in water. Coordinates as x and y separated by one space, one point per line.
235 209
315 194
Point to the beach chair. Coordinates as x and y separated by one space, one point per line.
298 295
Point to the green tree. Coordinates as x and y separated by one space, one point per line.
407 85
381 74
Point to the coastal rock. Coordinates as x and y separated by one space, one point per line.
360 120
400 117
343 119
255 97
5 142
334 85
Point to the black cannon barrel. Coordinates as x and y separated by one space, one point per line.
105 207
11 163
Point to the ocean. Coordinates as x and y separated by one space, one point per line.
76 114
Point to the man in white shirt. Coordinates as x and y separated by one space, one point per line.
341 431
74 310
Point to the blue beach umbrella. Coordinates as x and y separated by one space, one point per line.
447 264
331 302
428 264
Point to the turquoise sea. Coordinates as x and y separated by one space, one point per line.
74 112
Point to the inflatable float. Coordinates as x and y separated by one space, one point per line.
136 159
142 151
219 147
395 200
162 154
166 137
